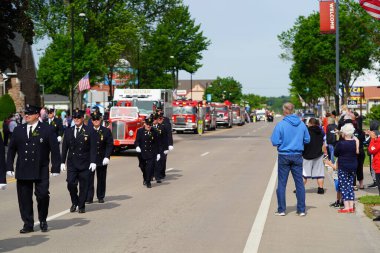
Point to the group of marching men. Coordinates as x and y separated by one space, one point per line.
85 149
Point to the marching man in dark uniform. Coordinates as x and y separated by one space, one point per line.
56 123
168 128
79 147
147 146
104 147
163 146
34 143
3 181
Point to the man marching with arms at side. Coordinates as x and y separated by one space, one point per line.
163 146
56 123
33 143
79 147
165 122
104 147
289 136
147 146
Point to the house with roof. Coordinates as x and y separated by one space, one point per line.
193 89
372 96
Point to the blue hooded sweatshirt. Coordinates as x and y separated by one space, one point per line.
290 135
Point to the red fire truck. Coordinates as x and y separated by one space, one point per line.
238 115
188 115
210 116
224 113
123 123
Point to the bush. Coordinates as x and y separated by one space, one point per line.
374 113
7 106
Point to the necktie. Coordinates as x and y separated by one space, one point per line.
30 132
77 132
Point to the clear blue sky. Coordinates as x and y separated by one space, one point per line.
244 41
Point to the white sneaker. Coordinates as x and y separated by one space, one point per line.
279 214
301 214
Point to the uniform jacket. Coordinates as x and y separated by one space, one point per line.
374 149
104 144
79 151
57 125
148 143
163 139
33 154
2 161
168 129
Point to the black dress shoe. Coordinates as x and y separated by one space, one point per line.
148 185
26 230
82 210
89 202
73 208
159 181
44 226
101 200
144 182
377 218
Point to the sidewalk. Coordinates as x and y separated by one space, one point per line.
323 229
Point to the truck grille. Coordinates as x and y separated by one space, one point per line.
118 130
180 121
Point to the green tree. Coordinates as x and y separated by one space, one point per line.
13 18
254 101
7 106
313 54
226 88
374 113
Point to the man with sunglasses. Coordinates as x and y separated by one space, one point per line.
104 147
79 148
34 143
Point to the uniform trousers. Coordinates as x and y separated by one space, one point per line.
159 167
25 200
75 176
147 168
163 165
101 175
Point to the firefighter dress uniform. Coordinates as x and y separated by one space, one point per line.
79 148
168 129
163 147
56 123
3 181
104 147
147 146
33 144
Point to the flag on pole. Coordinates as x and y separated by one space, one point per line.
301 99
84 83
372 7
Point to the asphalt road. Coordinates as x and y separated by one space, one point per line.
213 200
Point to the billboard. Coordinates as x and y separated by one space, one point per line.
327 22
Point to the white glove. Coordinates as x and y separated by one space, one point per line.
166 152
63 167
54 174
59 138
138 149
171 148
106 161
158 157
10 173
3 186
92 167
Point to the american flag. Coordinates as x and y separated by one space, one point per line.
84 83
372 7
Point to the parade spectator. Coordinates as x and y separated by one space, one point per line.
339 202
6 131
289 136
359 120
346 151
313 155
331 138
325 121
360 136
12 126
373 149
373 126
3 181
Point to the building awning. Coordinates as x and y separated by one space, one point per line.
371 93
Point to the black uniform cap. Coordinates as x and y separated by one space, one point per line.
149 120
51 111
96 115
78 113
32 109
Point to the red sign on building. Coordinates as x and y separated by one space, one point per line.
327 16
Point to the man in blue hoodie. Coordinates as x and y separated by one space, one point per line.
289 136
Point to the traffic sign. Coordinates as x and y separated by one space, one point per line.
352 102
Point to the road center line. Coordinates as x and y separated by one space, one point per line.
170 169
254 238
54 216
204 154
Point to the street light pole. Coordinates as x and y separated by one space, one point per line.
72 58
337 59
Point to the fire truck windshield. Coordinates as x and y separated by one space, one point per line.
184 110
221 109
124 112
145 107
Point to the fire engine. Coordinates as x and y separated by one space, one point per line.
146 100
187 114
123 123
210 116
238 115
224 113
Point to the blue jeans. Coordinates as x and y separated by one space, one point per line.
330 152
286 164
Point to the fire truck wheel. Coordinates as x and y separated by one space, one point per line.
179 132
